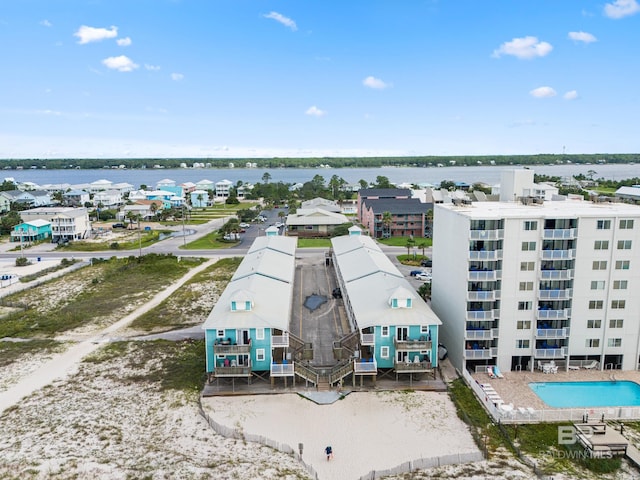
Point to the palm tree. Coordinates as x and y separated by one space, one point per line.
387 220
154 209
131 216
266 177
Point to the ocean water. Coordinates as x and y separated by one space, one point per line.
431 175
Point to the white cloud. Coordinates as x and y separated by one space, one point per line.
177 76
373 82
570 95
621 8
91 34
525 47
46 23
124 42
543 92
121 63
152 68
315 112
582 37
287 22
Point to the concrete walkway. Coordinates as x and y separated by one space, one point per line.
63 364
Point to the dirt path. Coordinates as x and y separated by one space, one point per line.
61 365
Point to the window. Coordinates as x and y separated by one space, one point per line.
592 343
622 264
594 323
260 355
384 331
626 224
618 303
603 224
522 343
614 342
524 305
616 323
259 333
624 244
595 305
528 246
409 303
384 352
247 305
523 324
526 286
530 225
620 284
394 303
601 245
220 333
527 266
600 265
597 284
233 306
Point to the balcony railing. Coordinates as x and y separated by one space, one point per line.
368 339
552 332
486 234
412 367
221 349
482 314
361 367
485 255
282 369
565 294
280 340
481 353
241 371
484 275
488 334
558 254
486 295
411 345
559 234
551 352
563 314
556 274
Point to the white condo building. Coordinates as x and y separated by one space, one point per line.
527 281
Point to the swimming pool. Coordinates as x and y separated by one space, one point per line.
588 394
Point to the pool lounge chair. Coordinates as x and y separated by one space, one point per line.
496 372
592 365
490 372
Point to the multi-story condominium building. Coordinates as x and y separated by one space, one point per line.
406 215
67 223
517 283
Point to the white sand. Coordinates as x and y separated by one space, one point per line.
368 431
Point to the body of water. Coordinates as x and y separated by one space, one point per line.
431 175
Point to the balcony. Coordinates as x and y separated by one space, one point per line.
481 353
412 367
280 340
486 234
565 294
551 352
552 332
559 234
363 367
412 345
235 371
282 369
488 334
558 254
367 339
563 314
485 254
481 295
228 349
556 274
482 314
484 275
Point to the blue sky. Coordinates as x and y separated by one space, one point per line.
243 78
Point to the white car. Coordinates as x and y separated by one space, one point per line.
244 225
424 277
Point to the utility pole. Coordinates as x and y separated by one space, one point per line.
139 241
184 237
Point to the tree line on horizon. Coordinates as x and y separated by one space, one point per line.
333 162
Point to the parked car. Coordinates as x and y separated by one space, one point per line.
118 225
337 293
413 273
426 263
424 277
244 225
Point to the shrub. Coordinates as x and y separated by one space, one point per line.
22 262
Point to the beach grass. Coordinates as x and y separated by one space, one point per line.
402 241
211 241
314 243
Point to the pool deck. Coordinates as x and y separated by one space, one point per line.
514 387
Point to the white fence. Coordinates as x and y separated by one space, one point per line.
425 463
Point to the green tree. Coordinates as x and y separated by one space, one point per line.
410 243
8 221
363 183
383 182
266 177
8 185
447 184
387 220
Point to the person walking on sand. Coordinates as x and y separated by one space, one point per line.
329 451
